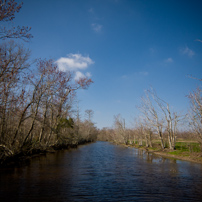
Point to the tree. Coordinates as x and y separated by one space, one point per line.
196 113
35 102
158 114
170 119
150 112
8 9
89 114
120 129
48 104
142 130
14 64
89 131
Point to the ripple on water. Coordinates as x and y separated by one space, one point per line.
102 172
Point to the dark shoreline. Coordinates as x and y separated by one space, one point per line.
22 157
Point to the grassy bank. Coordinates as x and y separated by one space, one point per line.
184 150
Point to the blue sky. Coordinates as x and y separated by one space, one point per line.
126 46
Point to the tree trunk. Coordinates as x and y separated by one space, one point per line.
43 124
161 138
20 122
33 121
150 140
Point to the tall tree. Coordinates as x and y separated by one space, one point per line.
120 129
158 113
196 113
14 64
152 116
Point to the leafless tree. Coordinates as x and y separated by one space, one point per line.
120 129
8 9
158 113
35 103
196 113
151 114
14 64
171 119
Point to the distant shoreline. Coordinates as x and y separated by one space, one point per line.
192 157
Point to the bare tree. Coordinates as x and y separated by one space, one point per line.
8 9
14 64
120 129
158 114
152 116
171 119
196 113
35 105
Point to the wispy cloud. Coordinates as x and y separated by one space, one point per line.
124 77
79 75
144 73
91 10
187 51
73 62
96 27
169 60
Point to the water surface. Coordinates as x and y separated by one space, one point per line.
102 172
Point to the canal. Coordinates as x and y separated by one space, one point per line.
102 172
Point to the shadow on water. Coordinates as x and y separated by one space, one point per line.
102 172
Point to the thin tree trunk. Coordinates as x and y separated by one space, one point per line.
44 121
169 140
20 122
150 140
33 121
161 138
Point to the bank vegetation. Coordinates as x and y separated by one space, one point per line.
160 130
37 99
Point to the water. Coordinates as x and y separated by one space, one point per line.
102 172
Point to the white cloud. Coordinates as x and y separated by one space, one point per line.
96 27
169 60
73 62
88 74
79 75
187 51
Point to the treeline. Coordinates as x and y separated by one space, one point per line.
158 125
36 97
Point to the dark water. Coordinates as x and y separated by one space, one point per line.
102 172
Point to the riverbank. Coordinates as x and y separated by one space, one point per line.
195 157
101 172
25 155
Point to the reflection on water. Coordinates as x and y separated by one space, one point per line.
102 172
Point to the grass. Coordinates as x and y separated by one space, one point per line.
184 148
180 147
176 152
188 146
153 148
